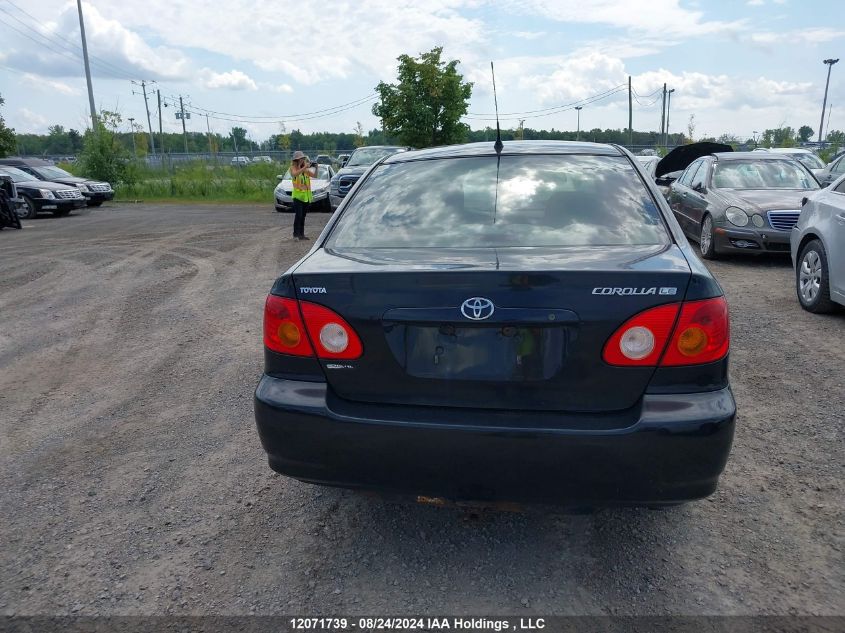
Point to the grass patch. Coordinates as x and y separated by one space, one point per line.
199 181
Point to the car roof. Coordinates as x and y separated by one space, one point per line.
509 148
17 160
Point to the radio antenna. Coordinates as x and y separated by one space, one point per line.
498 144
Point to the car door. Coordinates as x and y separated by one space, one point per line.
835 201
836 169
680 192
696 203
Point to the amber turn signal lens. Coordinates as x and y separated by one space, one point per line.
289 334
692 341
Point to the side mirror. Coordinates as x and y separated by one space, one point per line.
700 188
663 182
803 201
280 177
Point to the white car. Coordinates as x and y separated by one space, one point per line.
239 161
817 244
262 159
319 188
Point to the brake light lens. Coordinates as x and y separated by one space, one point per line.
298 328
642 338
702 334
332 336
284 331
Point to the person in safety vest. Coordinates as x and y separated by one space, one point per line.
301 171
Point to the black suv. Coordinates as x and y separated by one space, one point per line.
42 195
355 167
95 192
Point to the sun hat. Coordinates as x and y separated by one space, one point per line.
297 155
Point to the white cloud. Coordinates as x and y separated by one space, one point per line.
48 85
366 36
808 36
529 35
756 3
663 18
232 80
33 123
279 88
115 51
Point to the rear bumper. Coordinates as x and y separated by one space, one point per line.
735 240
673 452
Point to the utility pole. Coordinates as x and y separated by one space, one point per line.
184 133
160 130
210 147
630 116
663 115
578 129
830 63
132 132
668 107
88 69
521 129
149 124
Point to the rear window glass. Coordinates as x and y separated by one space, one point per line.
561 200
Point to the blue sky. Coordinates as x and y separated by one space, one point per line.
736 66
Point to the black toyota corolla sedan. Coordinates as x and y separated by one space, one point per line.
529 325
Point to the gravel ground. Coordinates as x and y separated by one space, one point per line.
132 480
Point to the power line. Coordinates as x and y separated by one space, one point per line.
288 117
76 57
474 115
241 119
74 49
562 108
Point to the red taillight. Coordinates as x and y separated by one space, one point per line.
284 331
655 323
332 336
291 326
701 335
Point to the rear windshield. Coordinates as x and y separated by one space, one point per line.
533 201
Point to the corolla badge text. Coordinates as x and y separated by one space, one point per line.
626 292
477 308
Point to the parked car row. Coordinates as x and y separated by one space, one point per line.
762 201
43 187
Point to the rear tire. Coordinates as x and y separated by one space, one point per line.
29 210
811 279
706 239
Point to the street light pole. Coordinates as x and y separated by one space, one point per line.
830 63
578 132
668 107
132 133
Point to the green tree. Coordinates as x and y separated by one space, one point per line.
103 156
359 135
426 105
7 135
239 137
805 132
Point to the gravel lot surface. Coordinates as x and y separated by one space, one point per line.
132 480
